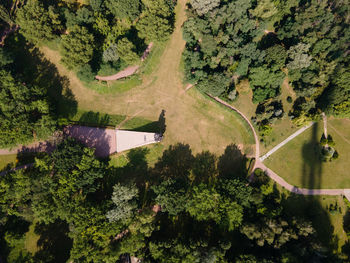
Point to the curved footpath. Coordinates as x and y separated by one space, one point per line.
279 180
129 70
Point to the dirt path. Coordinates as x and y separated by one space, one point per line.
25 166
129 70
324 118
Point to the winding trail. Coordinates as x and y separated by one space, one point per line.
129 70
324 118
256 138
121 74
279 180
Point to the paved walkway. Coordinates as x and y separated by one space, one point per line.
129 70
324 118
279 180
122 74
41 146
274 149
103 140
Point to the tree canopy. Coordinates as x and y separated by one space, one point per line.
265 40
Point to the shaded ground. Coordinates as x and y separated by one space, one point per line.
103 140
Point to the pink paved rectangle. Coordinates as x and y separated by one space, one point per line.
103 140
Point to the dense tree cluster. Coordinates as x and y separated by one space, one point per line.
266 41
25 111
86 31
187 208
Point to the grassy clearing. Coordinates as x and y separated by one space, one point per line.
299 164
155 151
114 87
141 124
190 117
153 60
281 128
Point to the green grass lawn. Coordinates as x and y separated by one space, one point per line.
299 164
114 87
12 160
155 151
9 159
31 239
190 117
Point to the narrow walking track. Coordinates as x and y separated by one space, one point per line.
122 74
324 118
274 149
256 138
129 70
279 180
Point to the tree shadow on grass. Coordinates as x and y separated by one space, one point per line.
310 208
54 242
95 119
158 127
346 227
312 166
232 163
15 227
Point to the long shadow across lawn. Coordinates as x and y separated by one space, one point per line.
312 164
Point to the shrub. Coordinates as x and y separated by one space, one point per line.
85 73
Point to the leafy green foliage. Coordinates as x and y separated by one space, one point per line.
155 21
96 31
125 205
125 51
185 212
124 8
24 111
204 6
35 21
77 47
265 40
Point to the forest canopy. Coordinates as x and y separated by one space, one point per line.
85 30
267 41
187 208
